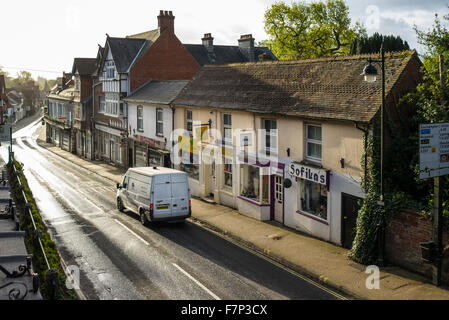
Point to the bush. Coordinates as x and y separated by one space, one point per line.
31 243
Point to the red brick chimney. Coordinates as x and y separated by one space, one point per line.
166 21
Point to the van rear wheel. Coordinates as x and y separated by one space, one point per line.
143 219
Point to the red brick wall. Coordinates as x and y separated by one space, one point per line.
404 233
167 59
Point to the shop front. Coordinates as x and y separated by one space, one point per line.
150 153
260 193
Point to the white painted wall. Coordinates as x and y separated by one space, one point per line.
149 121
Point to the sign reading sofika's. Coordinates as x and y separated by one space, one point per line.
309 173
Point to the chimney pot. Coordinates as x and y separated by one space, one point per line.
166 21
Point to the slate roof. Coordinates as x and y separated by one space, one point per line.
326 88
159 92
85 66
223 54
124 50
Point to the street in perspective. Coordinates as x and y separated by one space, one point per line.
298 151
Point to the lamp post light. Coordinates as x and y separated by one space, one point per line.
370 76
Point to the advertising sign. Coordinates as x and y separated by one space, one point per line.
434 150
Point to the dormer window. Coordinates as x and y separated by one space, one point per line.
110 69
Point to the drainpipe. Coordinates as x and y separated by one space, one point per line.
173 109
365 131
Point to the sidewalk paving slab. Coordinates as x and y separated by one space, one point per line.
322 261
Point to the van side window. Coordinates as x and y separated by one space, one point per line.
125 182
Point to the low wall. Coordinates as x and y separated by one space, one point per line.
405 231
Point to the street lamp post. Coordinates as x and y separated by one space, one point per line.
370 75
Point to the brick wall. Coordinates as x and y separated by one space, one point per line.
404 233
166 59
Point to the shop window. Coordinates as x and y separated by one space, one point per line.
313 198
155 159
250 183
313 142
190 165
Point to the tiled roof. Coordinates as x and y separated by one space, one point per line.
160 92
124 50
85 66
223 54
326 88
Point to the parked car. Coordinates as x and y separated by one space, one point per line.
155 194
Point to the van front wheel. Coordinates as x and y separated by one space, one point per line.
120 205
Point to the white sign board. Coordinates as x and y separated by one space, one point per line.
434 150
5 132
309 173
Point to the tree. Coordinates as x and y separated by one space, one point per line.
372 44
308 30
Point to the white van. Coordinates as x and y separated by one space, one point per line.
156 194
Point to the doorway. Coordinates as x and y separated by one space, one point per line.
349 212
278 199
212 180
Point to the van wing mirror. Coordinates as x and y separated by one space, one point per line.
118 186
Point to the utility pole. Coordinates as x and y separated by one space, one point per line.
437 204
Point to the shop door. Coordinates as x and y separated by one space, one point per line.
278 199
349 212
212 179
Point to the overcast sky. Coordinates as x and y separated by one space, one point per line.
44 36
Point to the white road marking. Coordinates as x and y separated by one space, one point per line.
197 282
132 232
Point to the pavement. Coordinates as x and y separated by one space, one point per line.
321 261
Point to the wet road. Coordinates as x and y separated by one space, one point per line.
121 259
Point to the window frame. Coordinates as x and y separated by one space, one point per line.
313 141
159 123
225 126
189 121
140 118
268 133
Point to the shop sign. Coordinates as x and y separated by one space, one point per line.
308 173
